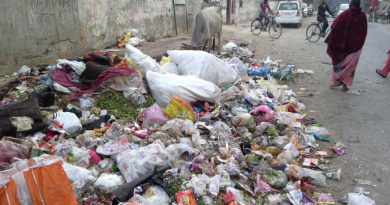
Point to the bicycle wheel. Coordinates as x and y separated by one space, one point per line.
256 27
313 32
275 30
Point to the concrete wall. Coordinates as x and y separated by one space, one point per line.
40 31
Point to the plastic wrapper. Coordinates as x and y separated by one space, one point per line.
105 165
180 109
204 65
114 132
261 186
114 147
185 198
136 163
154 115
135 95
10 151
106 183
189 88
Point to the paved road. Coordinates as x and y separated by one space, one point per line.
361 122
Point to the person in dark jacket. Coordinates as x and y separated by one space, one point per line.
321 16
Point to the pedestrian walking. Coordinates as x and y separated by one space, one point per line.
386 68
345 43
321 16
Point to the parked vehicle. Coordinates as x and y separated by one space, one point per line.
342 8
304 9
310 10
289 12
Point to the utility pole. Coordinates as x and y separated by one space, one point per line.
228 11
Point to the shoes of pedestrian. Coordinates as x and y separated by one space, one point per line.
378 71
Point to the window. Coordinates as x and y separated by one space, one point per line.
288 6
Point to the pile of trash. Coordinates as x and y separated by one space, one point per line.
201 135
132 37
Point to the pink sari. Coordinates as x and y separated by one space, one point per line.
345 71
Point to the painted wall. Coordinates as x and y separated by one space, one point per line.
40 31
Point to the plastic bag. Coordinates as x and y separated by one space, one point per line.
80 177
153 195
154 115
359 199
243 119
77 66
189 88
134 164
106 183
142 61
276 179
199 184
214 185
135 95
176 150
319 133
170 68
22 123
263 113
86 102
178 108
317 176
66 122
204 66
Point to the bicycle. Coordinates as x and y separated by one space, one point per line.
274 29
313 31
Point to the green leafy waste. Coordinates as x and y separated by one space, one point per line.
119 106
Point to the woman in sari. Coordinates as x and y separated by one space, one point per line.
386 68
345 43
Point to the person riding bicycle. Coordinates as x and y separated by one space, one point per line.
264 7
321 16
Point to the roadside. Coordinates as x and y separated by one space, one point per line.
357 121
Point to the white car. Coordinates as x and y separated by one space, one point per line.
342 8
289 12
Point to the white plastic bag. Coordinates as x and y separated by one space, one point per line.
154 195
170 68
214 186
66 122
77 66
108 182
188 88
359 199
205 66
134 164
144 62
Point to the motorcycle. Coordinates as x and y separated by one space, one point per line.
384 17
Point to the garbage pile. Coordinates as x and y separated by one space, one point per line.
200 134
133 37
